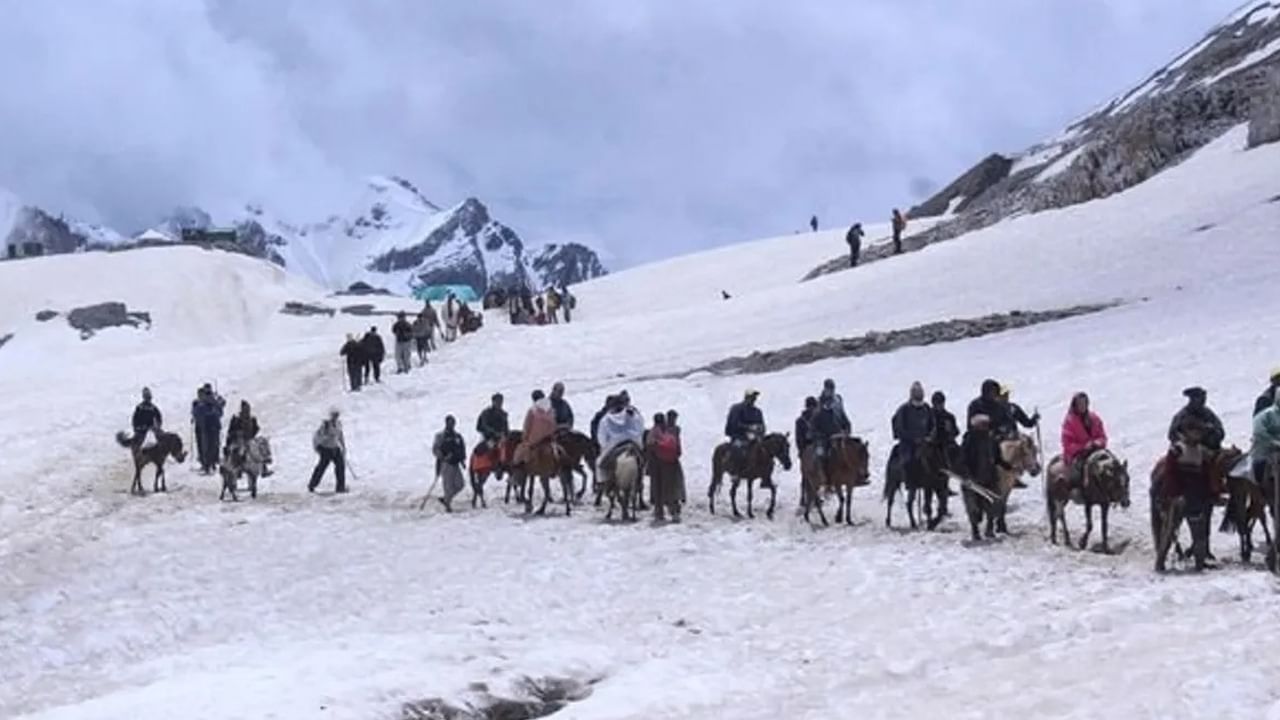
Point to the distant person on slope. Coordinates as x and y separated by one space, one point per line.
206 417
553 305
561 408
433 324
374 353
743 426
331 447
1083 434
146 420
1268 396
854 238
353 351
450 451
568 302
899 226
422 337
813 223
403 333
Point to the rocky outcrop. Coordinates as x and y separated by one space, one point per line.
1264 125
967 189
533 699
46 315
361 289
90 319
301 309
53 235
4 338
560 265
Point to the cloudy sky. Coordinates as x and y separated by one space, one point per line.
647 127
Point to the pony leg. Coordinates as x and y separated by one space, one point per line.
888 510
1088 525
1106 509
911 509
1053 521
773 500
566 481
848 505
733 497
136 487
546 495
750 499
1060 509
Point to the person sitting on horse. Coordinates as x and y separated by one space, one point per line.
1082 435
1266 439
599 416
1268 396
988 404
804 424
1190 481
912 426
242 430
1014 416
492 424
620 427
1197 410
539 427
563 411
946 431
744 425
146 418
830 399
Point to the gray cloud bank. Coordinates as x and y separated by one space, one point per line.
649 127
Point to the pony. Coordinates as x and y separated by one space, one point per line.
167 445
1248 501
847 468
486 461
1167 513
251 460
1021 456
759 458
543 462
1106 484
623 483
579 449
926 475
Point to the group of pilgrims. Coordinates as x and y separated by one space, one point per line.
1195 435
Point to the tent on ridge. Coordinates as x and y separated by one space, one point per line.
437 293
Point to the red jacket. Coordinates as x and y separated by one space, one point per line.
1076 436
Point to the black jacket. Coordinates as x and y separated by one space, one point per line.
945 429
564 413
240 429
402 331
854 237
354 352
913 423
981 456
146 416
493 423
804 430
450 447
742 419
1265 400
373 348
1214 432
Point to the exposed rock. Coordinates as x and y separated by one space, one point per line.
969 186
5 338
365 310
362 288
1264 124
562 265
92 318
46 315
301 309
540 698
876 342
35 228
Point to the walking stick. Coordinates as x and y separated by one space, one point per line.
423 505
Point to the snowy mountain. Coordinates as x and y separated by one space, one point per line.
389 236
1231 76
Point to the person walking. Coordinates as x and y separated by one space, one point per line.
353 351
899 227
402 331
331 449
422 337
206 417
374 353
854 238
813 223
450 451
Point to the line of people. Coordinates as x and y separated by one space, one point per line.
364 356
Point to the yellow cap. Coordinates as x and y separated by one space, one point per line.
751 392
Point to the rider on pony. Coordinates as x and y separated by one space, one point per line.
1083 434
242 430
1266 438
146 419
621 426
539 427
912 426
743 426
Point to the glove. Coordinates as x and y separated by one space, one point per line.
1035 419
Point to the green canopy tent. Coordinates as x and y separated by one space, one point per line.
437 293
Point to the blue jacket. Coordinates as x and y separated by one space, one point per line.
742 418
207 412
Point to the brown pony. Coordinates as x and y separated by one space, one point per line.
1107 484
167 445
848 467
1022 456
1166 513
579 449
486 461
758 465
543 462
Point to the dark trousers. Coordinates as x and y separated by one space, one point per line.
353 376
327 456
854 252
897 243
207 446
373 368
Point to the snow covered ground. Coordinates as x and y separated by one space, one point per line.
345 607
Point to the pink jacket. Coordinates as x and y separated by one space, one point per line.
1076 437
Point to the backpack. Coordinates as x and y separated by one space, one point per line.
666 447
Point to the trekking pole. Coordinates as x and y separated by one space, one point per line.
423 505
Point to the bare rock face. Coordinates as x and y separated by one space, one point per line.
1264 125
967 189
301 309
46 315
5 338
92 318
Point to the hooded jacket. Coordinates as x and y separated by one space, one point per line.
620 427
1078 432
